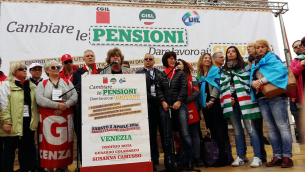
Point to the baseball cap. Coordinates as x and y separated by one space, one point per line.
34 65
65 57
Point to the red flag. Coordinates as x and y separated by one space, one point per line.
55 138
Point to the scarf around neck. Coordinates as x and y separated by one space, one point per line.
273 69
213 78
91 70
249 109
167 70
301 57
21 81
25 85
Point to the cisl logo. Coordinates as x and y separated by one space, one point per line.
191 18
147 17
122 35
103 15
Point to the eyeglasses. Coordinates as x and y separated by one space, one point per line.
22 68
297 46
150 59
68 61
55 67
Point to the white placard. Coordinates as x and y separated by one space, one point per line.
114 119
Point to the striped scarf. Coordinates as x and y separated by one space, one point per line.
249 109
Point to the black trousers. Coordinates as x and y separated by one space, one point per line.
153 118
258 124
77 120
26 150
1 151
218 127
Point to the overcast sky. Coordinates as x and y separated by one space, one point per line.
294 24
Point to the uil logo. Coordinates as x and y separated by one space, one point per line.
191 18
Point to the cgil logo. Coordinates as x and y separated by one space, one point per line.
103 15
147 16
105 80
112 35
191 18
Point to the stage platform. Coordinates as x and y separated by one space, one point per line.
298 158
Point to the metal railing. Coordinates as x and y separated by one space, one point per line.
276 7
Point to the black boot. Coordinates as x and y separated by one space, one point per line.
189 166
198 162
170 164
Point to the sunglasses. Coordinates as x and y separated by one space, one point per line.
150 59
68 61
297 46
55 67
22 68
36 70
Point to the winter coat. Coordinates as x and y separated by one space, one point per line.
297 69
176 91
11 111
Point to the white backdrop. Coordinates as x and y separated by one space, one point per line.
215 31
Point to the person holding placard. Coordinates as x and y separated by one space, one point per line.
19 116
56 117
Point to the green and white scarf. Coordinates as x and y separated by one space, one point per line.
301 57
249 109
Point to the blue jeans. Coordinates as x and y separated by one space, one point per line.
240 135
167 145
275 114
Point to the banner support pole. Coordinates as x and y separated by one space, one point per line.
288 61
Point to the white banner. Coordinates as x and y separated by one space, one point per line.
35 32
114 120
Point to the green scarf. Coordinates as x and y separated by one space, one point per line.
249 109
301 57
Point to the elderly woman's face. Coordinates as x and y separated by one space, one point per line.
21 72
115 57
261 49
53 69
171 61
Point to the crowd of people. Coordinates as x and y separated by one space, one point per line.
226 88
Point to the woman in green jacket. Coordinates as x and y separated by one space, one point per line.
18 118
